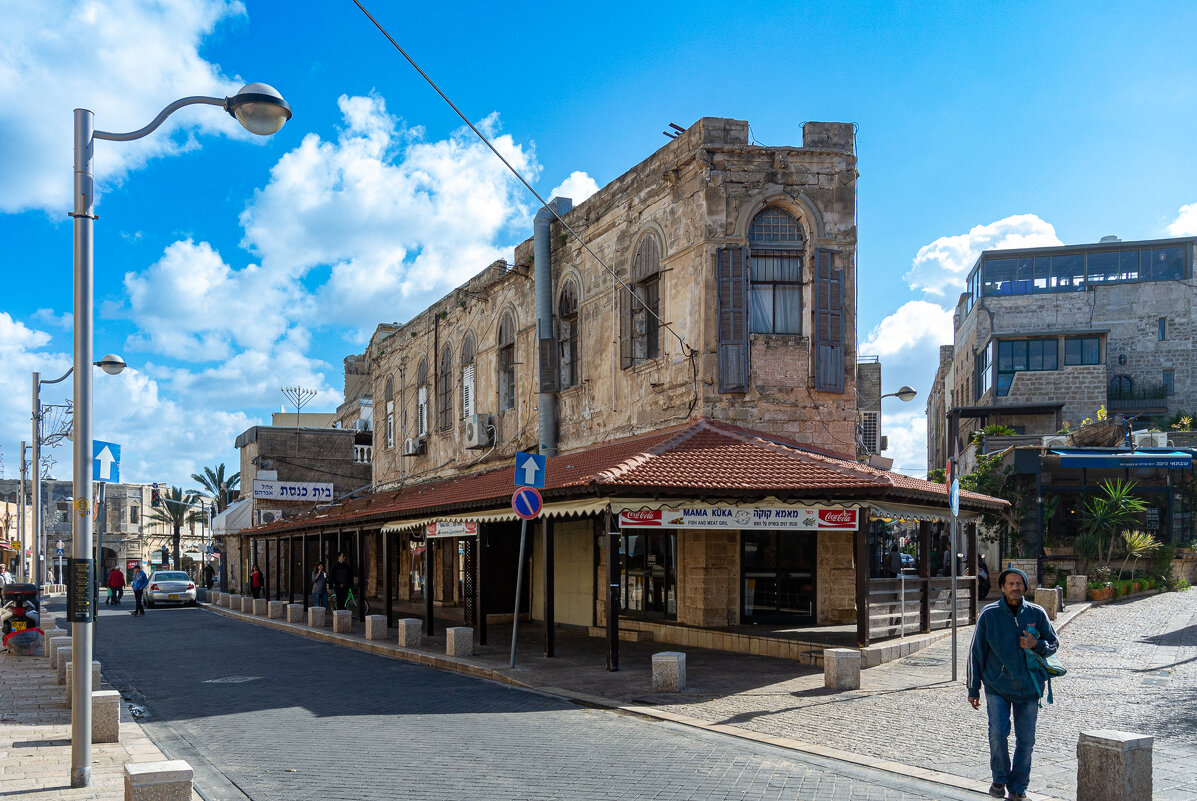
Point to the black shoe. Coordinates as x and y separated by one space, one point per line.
997 790
133 613
1017 796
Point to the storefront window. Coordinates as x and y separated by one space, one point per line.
778 576
648 574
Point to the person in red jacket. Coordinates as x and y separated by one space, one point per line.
116 583
257 582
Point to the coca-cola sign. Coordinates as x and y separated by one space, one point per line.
837 518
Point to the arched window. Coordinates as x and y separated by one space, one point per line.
467 376
506 363
1122 387
646 305
567 334
775 243
422 398
444 400
389 396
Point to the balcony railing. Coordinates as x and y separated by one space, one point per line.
363 454
1138 398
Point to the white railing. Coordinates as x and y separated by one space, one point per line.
363 454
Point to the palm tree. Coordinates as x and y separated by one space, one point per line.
175 508
222 489
1112 511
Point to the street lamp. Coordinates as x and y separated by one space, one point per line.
260 110
110 364
905 394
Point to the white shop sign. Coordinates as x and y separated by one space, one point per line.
451 528
794 519
292 491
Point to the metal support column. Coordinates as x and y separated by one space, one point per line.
429 623
479 595
612 596
925 575
387 583
550 619
861 543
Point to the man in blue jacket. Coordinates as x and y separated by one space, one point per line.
996 659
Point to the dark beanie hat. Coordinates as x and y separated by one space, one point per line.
1026 583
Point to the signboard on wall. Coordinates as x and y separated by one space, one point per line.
451 528
292 491
793 519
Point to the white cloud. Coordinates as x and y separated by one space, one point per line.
906 430
1185 223
48 317
123 59
577 187
941 267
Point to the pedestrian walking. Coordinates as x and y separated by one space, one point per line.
5 576
996 660
209 575
116 586
256 582
319 585
342 579
895 561
982 578
139 582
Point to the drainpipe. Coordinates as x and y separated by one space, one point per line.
546 342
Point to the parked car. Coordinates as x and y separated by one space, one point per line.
170 587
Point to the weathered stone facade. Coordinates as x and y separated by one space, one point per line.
697 194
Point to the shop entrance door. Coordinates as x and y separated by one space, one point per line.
649 573
777 576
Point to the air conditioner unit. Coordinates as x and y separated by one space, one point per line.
1055 441
269 516
413 446
479 431
1150 439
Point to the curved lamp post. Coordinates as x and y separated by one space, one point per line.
260 110
905 394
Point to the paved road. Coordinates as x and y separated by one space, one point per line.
267 715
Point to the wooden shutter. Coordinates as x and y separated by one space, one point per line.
625 325
422 417
829 324
731 283
467 392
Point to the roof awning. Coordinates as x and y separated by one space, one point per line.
580 507
905 511
1167 460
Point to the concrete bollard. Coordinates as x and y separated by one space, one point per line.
316 616
1049 599
49 638
105 716
294 613
247 604
411 632
376 627
277 610
95 680
55 644
841 669
669 672
459 641
1113 766
261 607
158 781
231 601
1078 588
342 621
217 598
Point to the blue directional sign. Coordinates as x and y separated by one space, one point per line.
527 503
105 461
954 497
529 470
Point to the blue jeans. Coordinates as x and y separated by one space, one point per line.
1026 713
320 599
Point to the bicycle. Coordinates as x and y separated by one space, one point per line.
351 602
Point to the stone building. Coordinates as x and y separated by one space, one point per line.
681 347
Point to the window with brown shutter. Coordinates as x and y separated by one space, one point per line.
829 324
731 281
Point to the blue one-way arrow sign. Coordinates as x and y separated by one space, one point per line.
106 461
529 470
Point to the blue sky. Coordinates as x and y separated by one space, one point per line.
226 268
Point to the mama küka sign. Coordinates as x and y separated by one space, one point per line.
812 518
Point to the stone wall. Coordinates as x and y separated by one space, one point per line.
836 578
708 577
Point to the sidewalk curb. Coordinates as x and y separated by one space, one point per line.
476 671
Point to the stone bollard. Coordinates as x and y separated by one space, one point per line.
59 647
105 716
231 601
1113 766
376 627
459 641
277 610
294 613
158 781
841 669
49 638
218 598
261 607
411 632
247 604
95 680
1049 599
669 672
316 616
342 621
1078 588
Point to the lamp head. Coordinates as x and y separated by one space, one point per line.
111 364
259 108
906 394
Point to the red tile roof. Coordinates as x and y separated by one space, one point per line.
701 459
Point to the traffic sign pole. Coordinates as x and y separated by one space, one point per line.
519 581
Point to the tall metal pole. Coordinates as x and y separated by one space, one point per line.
39 576
519 580
22 529
83 567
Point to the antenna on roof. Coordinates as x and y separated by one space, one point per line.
677 128
669 134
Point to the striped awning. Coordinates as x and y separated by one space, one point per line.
905 511
581 507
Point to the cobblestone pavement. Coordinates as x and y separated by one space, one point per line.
267 715
1132 666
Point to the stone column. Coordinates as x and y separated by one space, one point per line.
1113 766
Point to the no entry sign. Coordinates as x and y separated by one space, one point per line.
527 503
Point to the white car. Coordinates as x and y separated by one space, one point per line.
170 587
